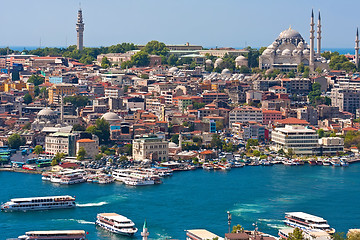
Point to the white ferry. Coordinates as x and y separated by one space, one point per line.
39 203
135 177
116 223
66 177
306 221
73 177
52 235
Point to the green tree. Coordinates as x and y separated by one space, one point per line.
44 92
244 69
301 68
172 59
219 125
175 138
339 236
77 100
105 63
216 142
237 229
27 98
38 149
101 129
15 141
36 91
27 126
78 128
81 154
36 80
321 133
297 234
256 153
140 59
155 48
197 105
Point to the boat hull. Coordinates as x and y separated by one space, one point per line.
113 230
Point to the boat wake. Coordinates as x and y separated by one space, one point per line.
163 236
246 208
276 226
75 220
91 204
270 220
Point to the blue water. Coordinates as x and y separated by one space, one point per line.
194 199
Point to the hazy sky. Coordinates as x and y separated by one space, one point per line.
225 23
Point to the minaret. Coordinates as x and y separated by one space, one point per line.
180 141
145 233
357 49
80 31
319 36
311 62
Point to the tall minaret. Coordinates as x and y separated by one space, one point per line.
80 31
319 36
357 48
145 233
312 52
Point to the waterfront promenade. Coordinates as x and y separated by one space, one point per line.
195 199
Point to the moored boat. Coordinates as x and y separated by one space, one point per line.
116 223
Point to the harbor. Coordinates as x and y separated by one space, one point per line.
186 201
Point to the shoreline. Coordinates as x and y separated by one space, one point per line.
19 170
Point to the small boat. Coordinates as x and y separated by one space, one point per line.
326 163
207 166
116 223
344 163
312 162
335 163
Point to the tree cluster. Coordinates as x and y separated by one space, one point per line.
15 141
100 129
315 97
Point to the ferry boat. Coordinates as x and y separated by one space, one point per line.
135 177
39 203
59 234
207 166
116 223
306 221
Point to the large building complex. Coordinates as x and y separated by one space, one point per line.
151 148
301 140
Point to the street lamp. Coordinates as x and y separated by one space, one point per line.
229 219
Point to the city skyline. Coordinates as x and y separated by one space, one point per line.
211 24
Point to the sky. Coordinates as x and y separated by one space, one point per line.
222 23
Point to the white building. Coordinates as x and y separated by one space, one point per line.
60 142
300 139
245 114
152 148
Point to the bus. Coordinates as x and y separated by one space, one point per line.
44 164
31 161
43 160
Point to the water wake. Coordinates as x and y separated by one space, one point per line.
91 204
276 226
270 220
74 220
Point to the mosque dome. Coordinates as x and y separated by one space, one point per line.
290 34
278 51
306 52
219 61
173 69
110 116
208 62
225 71
266 52
46 112
240 58
286 52
172 145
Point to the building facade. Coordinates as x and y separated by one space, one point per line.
152 148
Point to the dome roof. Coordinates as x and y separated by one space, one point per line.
110 116
172 145
208 61
46 112
306 52
286 52
266 52
240 58
218 61
225 71
173 69
290 34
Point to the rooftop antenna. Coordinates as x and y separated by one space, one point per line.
40 42
80 5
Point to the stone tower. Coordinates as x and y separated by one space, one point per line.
145 233
357 48
312 52
319 36
80 31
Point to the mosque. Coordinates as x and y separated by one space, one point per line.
290 49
